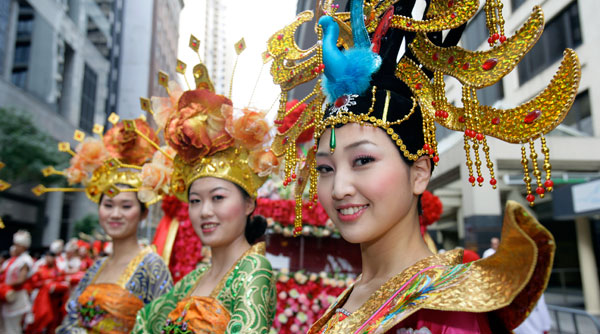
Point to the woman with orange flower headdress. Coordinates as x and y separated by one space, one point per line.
114 288
222 159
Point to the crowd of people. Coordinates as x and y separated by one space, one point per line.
34 291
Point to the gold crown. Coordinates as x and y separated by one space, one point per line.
108 165
210 141
293 66
232 164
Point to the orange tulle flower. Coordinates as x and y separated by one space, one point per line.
156 176
197 128
128 146
263 162
164 107
251 129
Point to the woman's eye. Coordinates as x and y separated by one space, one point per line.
361 161
108 205
322 169
194 201
218 197
126 206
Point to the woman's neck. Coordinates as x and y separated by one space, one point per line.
125 249
224 257
394 251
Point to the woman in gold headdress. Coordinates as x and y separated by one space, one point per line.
375 152
220 164
114 288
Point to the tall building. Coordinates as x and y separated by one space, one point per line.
69 64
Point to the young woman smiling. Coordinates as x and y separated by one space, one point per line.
375 152
220 164
116 287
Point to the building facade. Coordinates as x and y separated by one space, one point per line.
69 64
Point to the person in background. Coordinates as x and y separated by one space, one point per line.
494 243
17 271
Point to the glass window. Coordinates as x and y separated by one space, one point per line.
19 77
476 32
580 115
88 99
563 31
516 4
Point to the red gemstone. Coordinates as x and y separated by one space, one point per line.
480 179
532 116
530 198
549 183
540 190
479 136
279 37
493 182
450 3
471 179
316 197
489 64
502 39
294 176
426 147
495 36
472 134
435 56
285 140
444 114
453 15
490 40
408 24
450 59
433 103
496 121
461 119
431 151
436 159
418 86
465 66
342 100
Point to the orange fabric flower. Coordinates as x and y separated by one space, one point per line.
251 129
164 107
197 128
156 176
128 146
91 154
75 173
263 163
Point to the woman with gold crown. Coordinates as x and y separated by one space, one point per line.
375 151
116 287
222 159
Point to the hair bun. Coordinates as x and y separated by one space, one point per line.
255 228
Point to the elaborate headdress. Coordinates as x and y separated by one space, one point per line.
111 163
366 84
210 136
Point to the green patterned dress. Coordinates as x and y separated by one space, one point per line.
245 298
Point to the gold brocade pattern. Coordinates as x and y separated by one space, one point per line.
501 283
131 267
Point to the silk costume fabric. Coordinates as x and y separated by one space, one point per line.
503 288
146 278
247 293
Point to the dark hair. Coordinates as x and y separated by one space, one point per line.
143 207
255 225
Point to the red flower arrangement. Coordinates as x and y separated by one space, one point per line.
302 298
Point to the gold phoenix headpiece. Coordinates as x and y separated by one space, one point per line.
109 164
366 85
210 137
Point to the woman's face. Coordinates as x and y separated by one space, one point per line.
218 211
365 186
120 215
